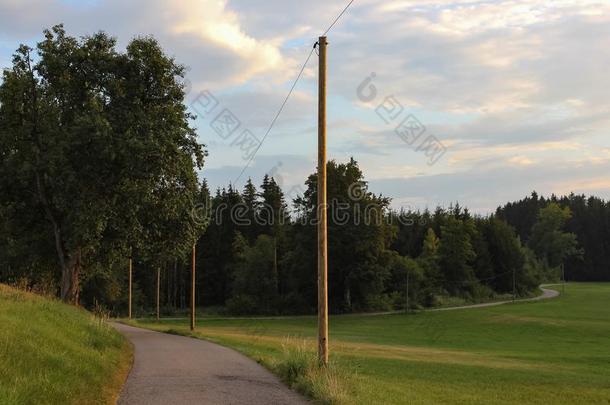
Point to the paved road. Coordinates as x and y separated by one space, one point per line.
546 294
170 369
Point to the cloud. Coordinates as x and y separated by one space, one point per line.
204 34
516 89
483 57
484 190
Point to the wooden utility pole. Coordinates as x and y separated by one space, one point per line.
158 291
130 285
322 222
193 291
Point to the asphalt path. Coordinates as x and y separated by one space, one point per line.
171 369
546 294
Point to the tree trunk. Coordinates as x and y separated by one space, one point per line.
168 284
175 284
348 296
70 264
70 287
158 292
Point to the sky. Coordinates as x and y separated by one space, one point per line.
439 101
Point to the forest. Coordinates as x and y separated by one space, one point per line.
100 163
257 253
588 220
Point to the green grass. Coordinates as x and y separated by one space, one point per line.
549 352
52 353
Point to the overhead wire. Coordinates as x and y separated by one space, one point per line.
274 120
279 111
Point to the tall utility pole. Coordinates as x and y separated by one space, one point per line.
158 291
322 225
193 291
130 285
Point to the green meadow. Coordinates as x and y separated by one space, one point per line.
53 353
547 352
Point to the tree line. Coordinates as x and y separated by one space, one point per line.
378 257
586 219
99 164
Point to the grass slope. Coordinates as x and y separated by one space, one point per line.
549 352
52 353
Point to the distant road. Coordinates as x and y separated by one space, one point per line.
546 294
171 369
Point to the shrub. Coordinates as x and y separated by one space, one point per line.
293 303
480 292
243 305
378 302
298 367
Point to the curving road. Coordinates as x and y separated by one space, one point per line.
546 294
170 369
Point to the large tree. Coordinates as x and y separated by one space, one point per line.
548 240
589 221
227 220
358 235
255 280
456 254
98 144
507 256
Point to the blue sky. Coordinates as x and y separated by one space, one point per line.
516 92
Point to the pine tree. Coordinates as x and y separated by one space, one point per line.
456 255
252 204
431 244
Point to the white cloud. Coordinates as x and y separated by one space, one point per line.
482 190
212 22
204 34
514 88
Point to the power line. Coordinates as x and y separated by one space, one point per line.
247 165
276 116
337 19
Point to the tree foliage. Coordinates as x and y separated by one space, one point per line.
98 162
97 152
548 240
573 230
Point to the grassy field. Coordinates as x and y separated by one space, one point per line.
51 353
549 352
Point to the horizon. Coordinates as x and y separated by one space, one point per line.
262 202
